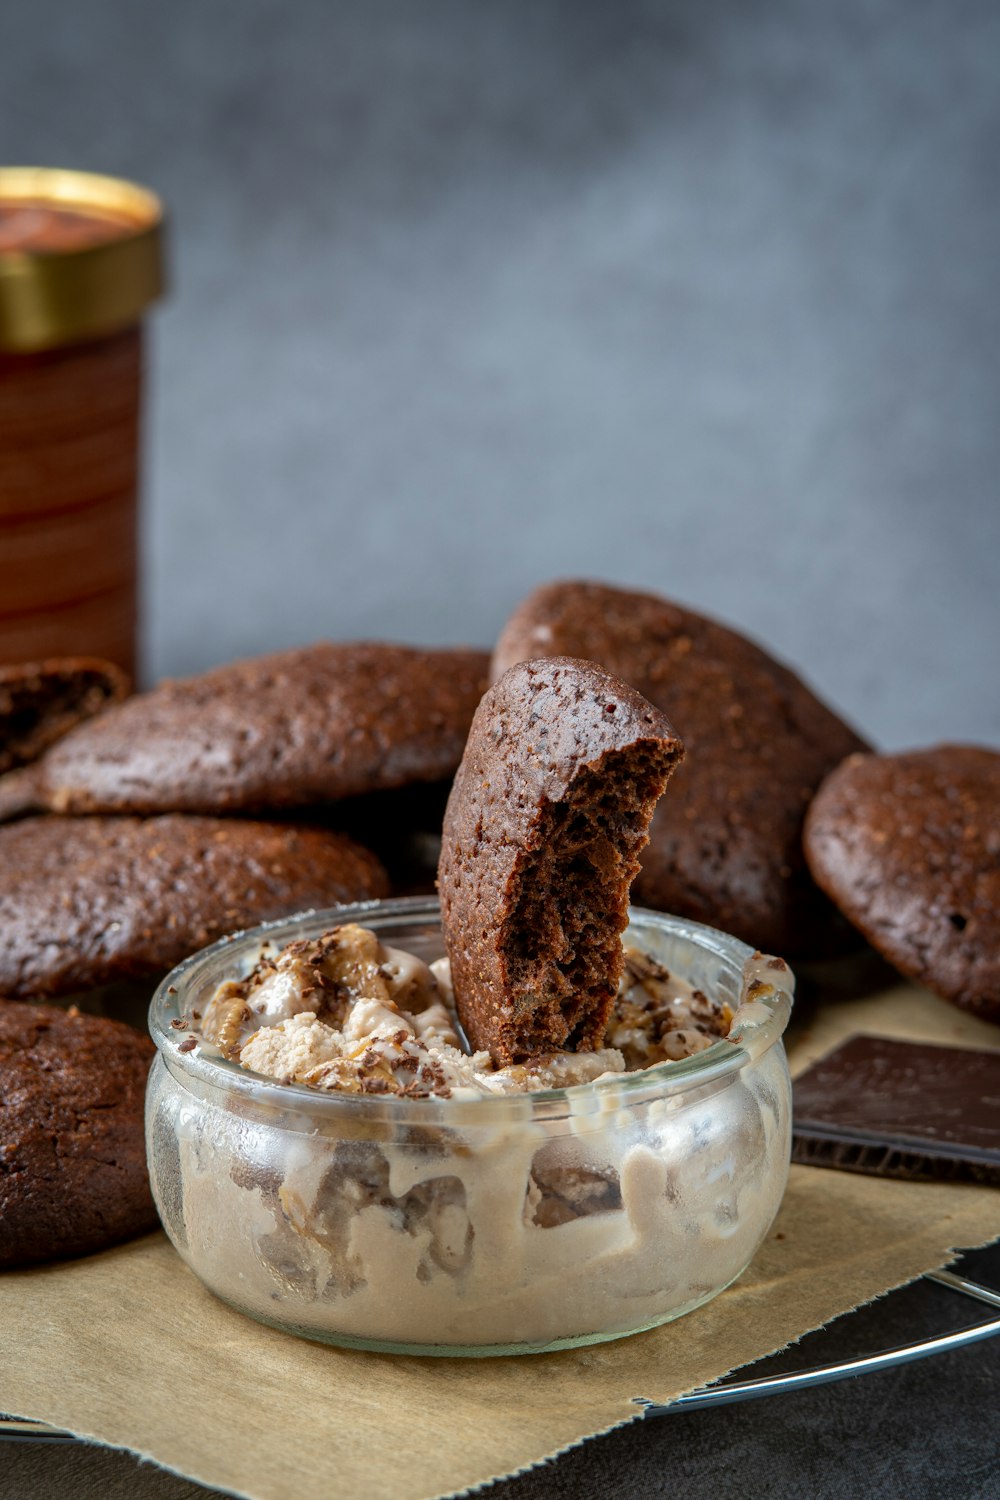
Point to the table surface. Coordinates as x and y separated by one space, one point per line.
928 1430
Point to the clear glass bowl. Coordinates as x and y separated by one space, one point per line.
496 1225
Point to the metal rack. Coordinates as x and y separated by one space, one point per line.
721 1392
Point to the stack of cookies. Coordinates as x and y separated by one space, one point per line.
136 830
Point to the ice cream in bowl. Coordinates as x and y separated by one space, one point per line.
403 1126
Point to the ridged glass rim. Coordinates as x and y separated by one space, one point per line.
715 1063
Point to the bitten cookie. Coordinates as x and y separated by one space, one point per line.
72 1151
279 731
909 848
40 701
88 901
726 846
545 821
402 827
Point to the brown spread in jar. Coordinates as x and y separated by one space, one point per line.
33 225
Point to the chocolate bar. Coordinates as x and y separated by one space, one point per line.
901 1109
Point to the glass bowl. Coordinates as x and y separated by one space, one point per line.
492 1225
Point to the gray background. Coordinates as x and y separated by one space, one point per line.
700 298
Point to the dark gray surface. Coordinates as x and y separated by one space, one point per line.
466 296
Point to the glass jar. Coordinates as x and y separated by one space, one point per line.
492 1225
80 262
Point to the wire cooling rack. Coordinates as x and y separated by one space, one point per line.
734 1388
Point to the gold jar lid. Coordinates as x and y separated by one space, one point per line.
81 256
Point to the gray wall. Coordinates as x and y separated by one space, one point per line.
468 295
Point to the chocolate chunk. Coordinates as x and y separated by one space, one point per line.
901 1109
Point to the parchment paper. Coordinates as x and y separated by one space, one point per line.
128 1349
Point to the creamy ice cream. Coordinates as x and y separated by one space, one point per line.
344 1011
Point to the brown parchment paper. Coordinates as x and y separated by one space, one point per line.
128 1349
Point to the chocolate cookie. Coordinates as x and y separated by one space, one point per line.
72 1150
280 731
40 701
89 901
726 846
545 821
909 848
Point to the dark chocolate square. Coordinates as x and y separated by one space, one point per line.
901 1109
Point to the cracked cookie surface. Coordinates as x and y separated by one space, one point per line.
908 846
547 816
289 729
72 1149
89 901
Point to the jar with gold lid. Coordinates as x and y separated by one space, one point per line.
80 262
